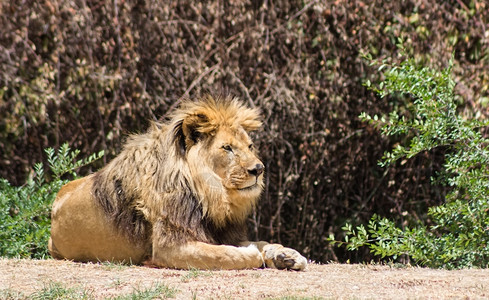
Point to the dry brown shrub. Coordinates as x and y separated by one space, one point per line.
88 72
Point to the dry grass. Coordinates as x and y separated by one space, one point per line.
28 278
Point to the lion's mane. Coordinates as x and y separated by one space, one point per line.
152 184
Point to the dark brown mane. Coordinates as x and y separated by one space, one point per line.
121 210
184 223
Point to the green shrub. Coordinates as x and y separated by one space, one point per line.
25 211
457 234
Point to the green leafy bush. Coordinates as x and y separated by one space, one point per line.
456 233
25 210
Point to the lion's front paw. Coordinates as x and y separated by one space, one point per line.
280 257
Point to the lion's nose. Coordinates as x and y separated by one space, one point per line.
257 170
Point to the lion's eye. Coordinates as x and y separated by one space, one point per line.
251 146
227 148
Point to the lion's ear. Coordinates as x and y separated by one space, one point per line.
195 126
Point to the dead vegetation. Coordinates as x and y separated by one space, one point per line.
89 72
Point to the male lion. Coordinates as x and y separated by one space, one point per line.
177 196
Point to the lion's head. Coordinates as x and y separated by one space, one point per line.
212 136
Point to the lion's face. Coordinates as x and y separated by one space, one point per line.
221 154
233 158
227 163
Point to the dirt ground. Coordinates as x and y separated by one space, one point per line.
330 281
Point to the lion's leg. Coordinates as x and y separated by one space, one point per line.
278 256
206 256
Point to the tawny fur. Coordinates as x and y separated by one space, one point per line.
178 195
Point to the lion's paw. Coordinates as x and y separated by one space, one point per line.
280 257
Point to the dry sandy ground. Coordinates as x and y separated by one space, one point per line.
331 281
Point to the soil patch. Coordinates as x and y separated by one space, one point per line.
21 278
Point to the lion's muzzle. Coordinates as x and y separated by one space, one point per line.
256 170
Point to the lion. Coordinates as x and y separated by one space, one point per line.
177 196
